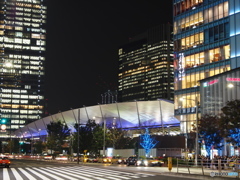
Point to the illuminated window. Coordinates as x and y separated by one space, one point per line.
192 41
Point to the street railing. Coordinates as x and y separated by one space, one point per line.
214 167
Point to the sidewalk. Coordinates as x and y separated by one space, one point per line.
196 173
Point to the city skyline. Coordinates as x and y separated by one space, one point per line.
22 47
88 38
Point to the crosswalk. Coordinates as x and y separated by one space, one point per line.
68 173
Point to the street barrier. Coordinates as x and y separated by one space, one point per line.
214 167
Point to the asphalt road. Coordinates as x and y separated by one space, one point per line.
50 170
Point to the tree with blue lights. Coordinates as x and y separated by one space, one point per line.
230 122
209 129
234 136
147 142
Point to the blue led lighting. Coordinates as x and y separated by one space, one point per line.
147 142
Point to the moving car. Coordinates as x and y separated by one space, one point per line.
142 162
5 162
154 162
132 160
92 159
117 159
149 162
47 157
61 158
104 159
82 158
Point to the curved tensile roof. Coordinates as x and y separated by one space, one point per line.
126 115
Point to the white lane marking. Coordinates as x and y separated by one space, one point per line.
27 174
16 174
37 174
56 171
103 172
127 173
51 175
5 174
90 174
122 173
113 173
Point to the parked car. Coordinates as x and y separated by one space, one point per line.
132 160
5 162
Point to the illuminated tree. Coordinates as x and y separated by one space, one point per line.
147 142
229 122
210 131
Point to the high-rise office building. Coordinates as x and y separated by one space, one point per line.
206 43
146 66
22 60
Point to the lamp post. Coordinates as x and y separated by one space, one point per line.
196 143
104 137
78 142
196 138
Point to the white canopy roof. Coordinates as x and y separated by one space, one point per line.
126 115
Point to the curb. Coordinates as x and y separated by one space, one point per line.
198 176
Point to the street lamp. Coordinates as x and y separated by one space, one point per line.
196 139
230 85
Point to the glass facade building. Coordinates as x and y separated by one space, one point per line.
217 90
22 60
146 66
206 43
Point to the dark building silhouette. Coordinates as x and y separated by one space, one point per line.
146 66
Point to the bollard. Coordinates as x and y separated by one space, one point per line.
169 163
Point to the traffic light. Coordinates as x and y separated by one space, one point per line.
3 121
21 142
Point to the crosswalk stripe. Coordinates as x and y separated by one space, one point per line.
69 173
114 175
16 174
5 174
37 174
89 174
135 174
131 175
79 173
49 174
56 171
27 174
95 170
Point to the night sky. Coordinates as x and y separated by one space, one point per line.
82 46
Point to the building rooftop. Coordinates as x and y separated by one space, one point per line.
126 115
